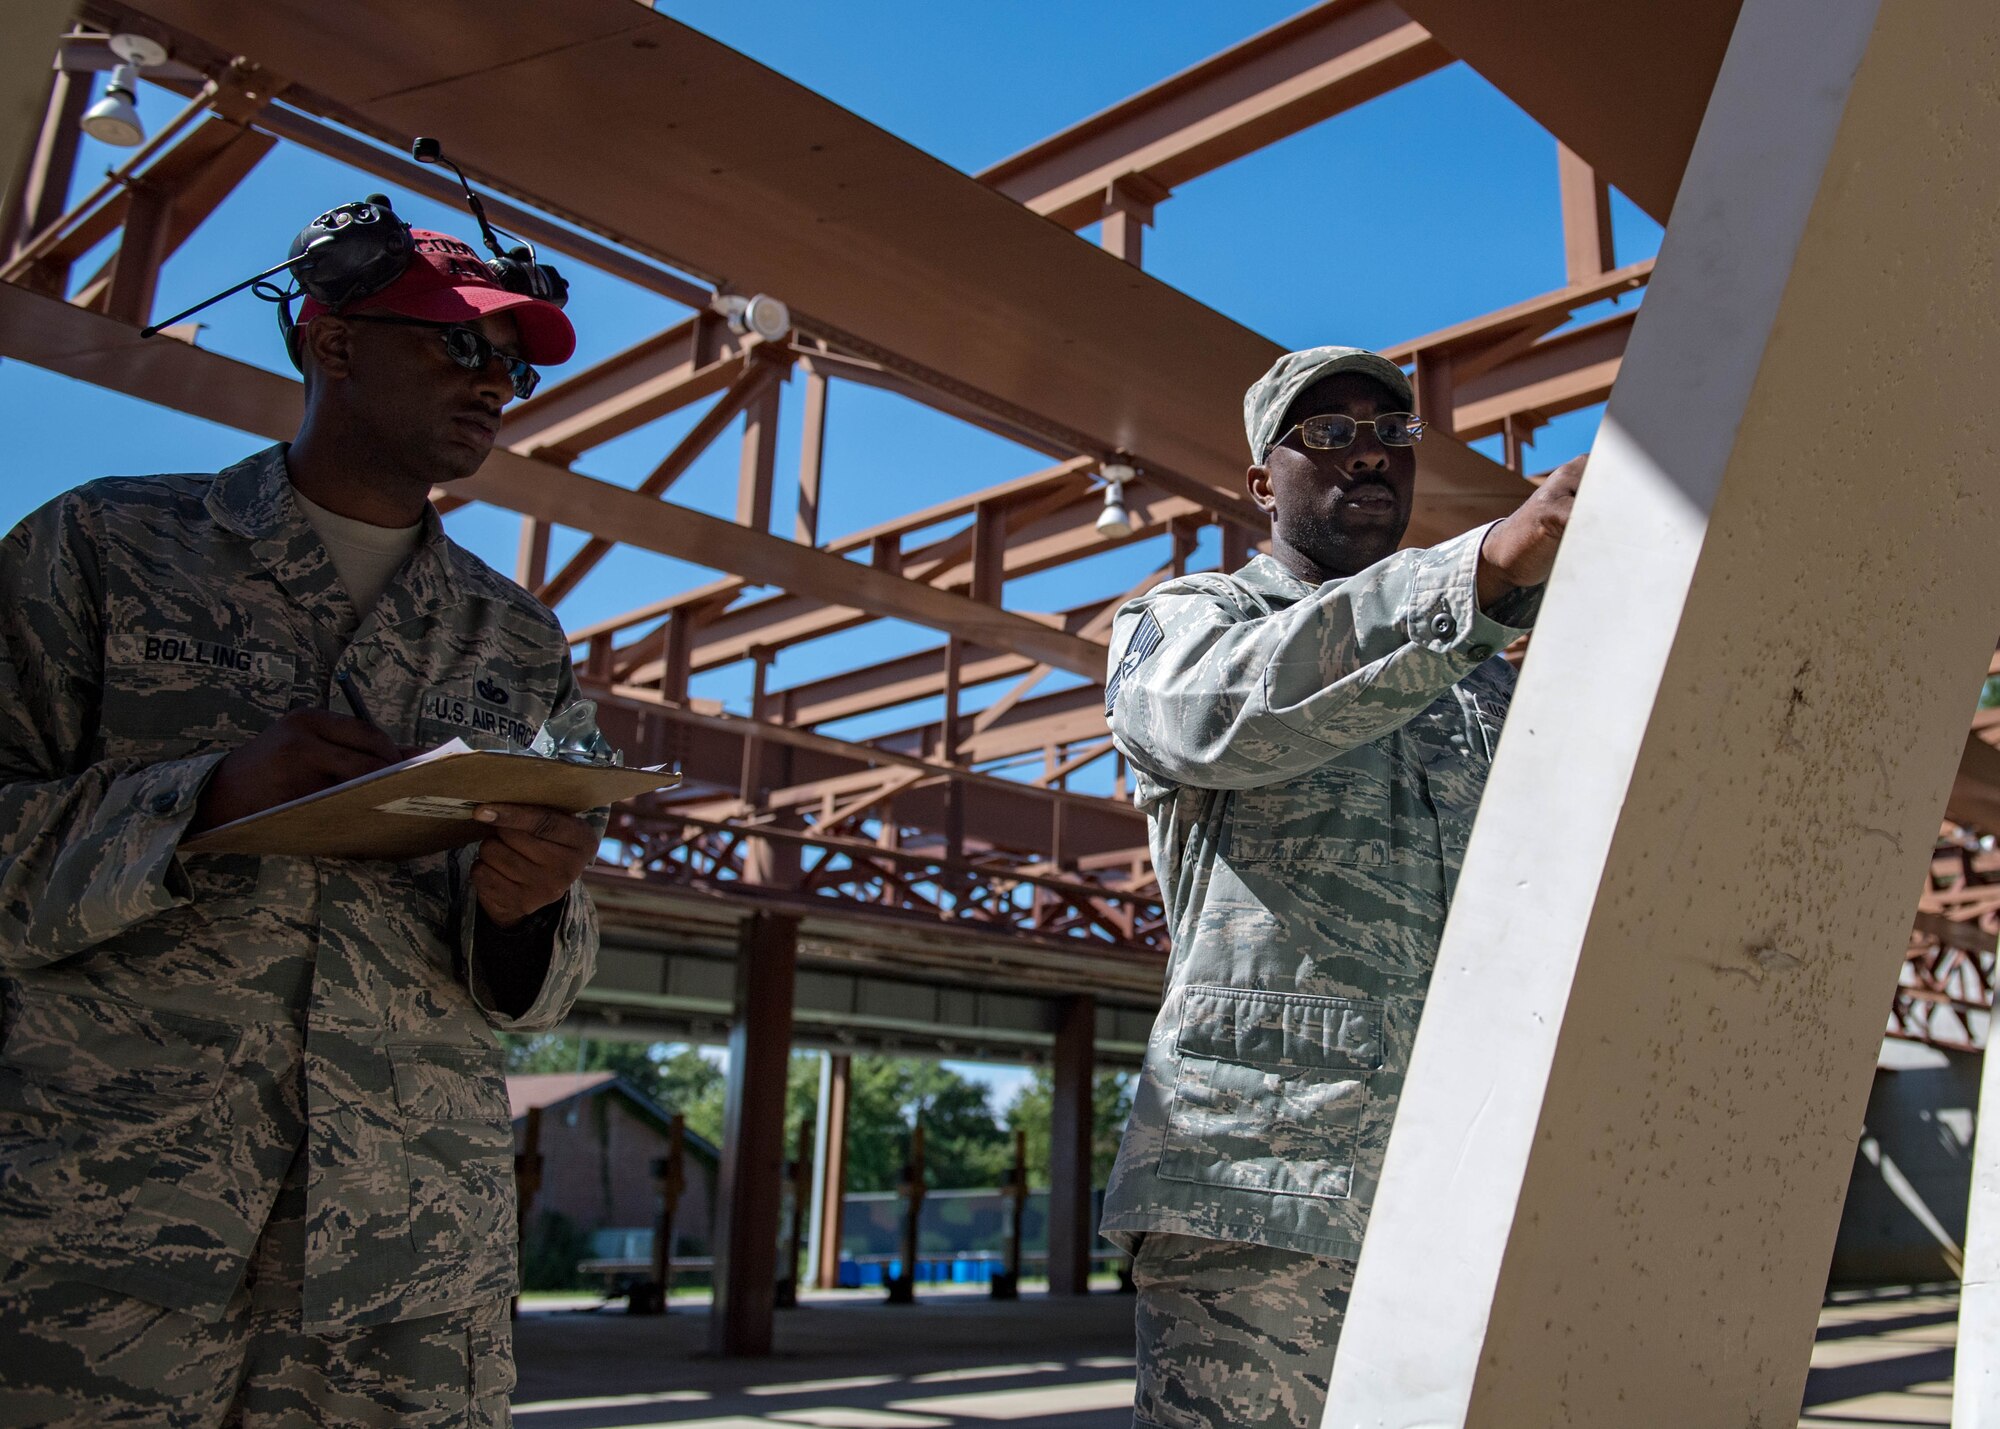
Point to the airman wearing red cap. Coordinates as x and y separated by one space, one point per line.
254 1136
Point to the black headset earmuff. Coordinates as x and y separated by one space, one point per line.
358 249
346 254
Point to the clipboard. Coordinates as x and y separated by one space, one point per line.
424 805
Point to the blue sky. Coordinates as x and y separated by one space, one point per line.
1426 207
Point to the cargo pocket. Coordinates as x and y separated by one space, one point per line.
104 1075
94 1093
458 1145
1271 1091
490 1357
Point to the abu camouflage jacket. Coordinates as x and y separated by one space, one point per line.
178 1026
1310 760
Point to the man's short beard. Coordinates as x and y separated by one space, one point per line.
1315 535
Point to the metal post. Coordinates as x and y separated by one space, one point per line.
1435 388
527 1184
136 274
799 1182
1128 210
1006 1285
909 1186
1070 1228
669 1172
812 459
760 455
749 1189
1586 213
1236 544
531 555
37 194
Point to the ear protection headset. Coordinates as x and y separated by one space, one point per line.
356 250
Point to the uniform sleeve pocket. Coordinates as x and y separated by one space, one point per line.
1271 1090
457 1145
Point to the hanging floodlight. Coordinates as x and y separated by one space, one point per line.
114 119
1115 521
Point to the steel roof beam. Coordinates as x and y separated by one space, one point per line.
1292 76
94 348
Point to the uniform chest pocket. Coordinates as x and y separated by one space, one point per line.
1339 813
171 694
484 713
1271 1091
457 1146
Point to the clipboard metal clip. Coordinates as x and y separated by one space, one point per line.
572 735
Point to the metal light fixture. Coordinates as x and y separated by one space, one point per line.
114 119
1115 521
763 315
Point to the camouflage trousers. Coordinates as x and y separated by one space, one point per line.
73 1356
1234 1336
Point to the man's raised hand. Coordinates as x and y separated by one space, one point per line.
1521 550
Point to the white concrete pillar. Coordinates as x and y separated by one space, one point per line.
1612 1190
822 1124
1975 1401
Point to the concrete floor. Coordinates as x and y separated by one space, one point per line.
958 1360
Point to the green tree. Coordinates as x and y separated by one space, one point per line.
1111 1103
964 1144
553 1052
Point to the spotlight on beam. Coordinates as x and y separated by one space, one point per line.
1115 520
764 315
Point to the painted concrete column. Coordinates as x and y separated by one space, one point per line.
750 1186
1614 1182
1975 1401
1071 1226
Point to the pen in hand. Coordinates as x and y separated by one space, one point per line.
354 700
350 688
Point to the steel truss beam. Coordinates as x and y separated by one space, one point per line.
1306 69
97 349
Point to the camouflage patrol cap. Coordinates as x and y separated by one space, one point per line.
1271 396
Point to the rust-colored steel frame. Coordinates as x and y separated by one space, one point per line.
940 820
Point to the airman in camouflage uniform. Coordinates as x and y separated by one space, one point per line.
255 1157
1311 735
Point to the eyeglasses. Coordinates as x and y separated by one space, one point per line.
467 346
1331 432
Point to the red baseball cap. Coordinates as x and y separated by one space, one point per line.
447 282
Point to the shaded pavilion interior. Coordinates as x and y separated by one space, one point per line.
974 883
